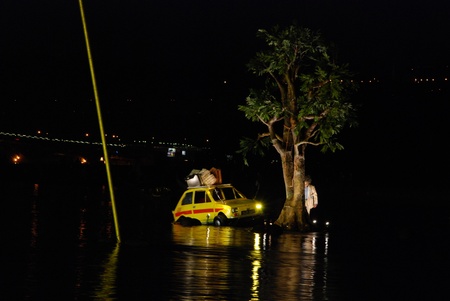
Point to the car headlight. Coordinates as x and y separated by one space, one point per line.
258 206
233 210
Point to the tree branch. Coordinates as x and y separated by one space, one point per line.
281 88
308 142
311 131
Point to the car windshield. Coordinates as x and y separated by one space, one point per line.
229 193
226 193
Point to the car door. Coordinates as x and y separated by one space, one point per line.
203 208
217 198
185 205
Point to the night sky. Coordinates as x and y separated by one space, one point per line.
152 53
177 69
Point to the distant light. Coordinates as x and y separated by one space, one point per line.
171 152
16 159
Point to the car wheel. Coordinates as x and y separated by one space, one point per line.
220 220
180 219
195 222
217 221
187 221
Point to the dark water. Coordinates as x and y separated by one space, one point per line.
59 244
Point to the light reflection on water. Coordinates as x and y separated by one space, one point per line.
106 288
61 246
65 248
235 263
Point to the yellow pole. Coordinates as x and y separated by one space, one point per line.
102 133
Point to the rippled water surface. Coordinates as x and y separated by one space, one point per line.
230 263
62 247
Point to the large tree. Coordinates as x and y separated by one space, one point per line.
304 102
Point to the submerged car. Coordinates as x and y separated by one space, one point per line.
219 205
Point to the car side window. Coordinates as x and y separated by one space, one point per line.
187 200
207 198
200 197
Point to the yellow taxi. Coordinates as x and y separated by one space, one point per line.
219 205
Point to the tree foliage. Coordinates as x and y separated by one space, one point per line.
304 100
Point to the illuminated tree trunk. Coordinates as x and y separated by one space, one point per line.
292 214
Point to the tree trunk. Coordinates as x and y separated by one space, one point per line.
292 215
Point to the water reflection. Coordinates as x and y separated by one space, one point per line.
212 263
106 289
256 265
34 223
60 245
70 254
234 263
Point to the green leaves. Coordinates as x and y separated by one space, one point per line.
261 106
287 48
306 90
253 146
